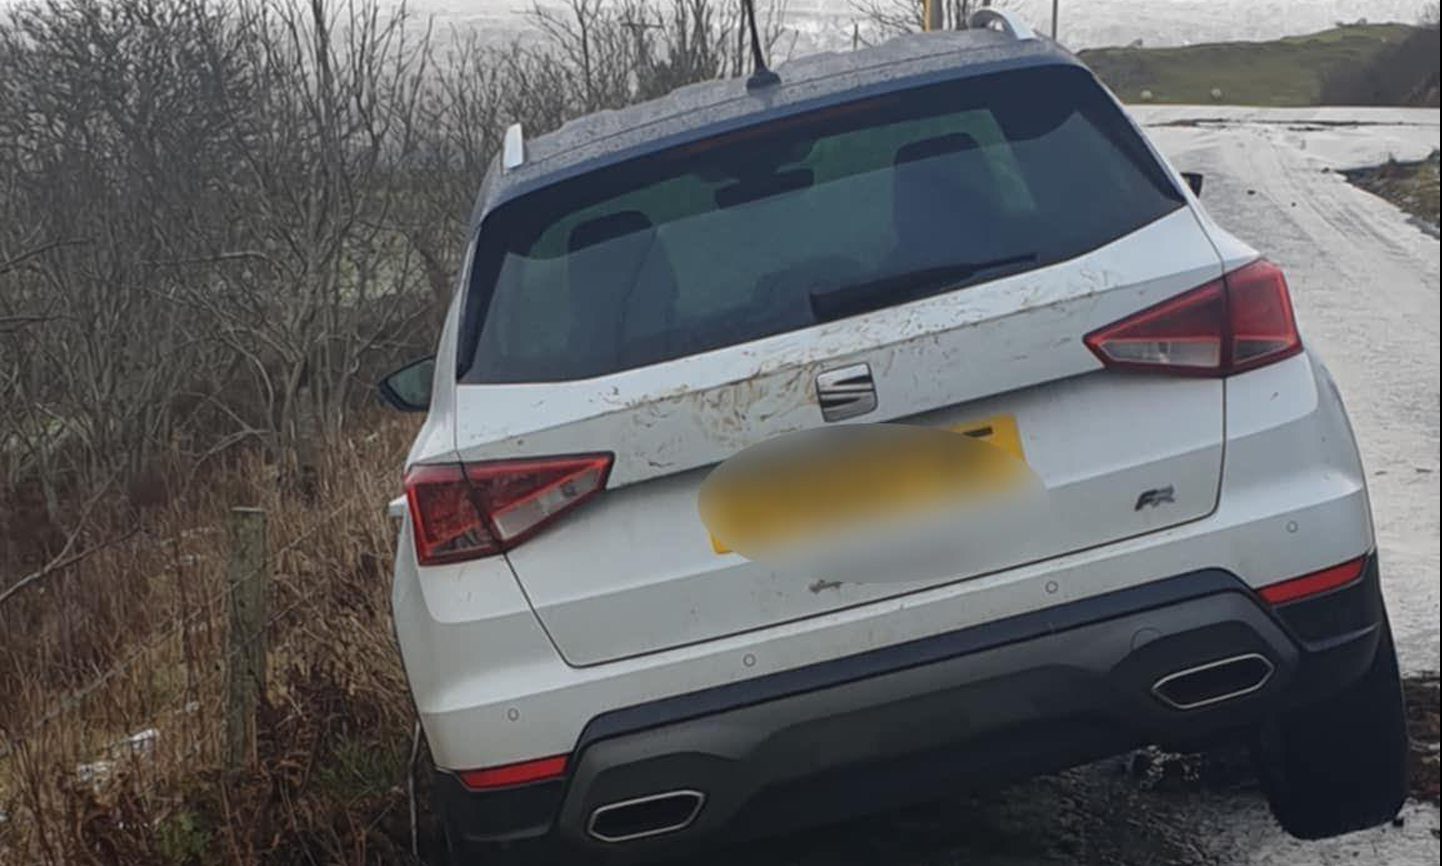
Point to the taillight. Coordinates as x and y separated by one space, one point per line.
461 512
524 773
1240 322
1315 583
1259 311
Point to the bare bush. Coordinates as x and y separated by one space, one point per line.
221 220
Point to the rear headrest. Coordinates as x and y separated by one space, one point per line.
607 228
941 145
941 202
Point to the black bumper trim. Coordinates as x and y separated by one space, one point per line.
1324 619
899 657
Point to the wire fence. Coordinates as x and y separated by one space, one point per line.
77 698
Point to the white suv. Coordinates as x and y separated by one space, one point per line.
962 232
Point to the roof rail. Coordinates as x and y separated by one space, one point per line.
513 149
1000 19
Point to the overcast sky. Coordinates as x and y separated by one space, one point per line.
1084 23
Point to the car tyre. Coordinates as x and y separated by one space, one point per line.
1340 764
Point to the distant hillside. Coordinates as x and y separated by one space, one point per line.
1361 64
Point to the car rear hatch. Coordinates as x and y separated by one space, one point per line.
683 308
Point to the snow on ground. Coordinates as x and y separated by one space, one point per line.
1330 137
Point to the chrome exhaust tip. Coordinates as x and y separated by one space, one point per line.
1214 682
645 816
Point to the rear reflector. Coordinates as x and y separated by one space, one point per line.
1316 583
481 509
524 773
1240 322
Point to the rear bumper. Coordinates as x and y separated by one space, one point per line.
1007 699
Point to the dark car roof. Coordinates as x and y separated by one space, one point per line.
704 109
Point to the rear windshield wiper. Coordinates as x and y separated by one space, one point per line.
838 303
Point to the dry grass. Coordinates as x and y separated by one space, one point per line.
132 638
1411 186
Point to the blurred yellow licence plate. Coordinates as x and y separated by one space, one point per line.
1000 431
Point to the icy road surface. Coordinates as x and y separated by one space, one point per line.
1365 283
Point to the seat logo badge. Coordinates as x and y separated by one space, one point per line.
1157 496
846 393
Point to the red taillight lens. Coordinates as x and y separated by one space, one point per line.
445 517
1259 309
481 509
514 774
1315 583
1240 322
1183 333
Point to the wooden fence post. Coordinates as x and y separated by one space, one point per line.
248 586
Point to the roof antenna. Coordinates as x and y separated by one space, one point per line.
762 76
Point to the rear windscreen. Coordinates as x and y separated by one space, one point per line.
804 219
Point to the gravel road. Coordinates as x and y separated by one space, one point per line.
1365 283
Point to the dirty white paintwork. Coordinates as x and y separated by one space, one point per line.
1012 346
